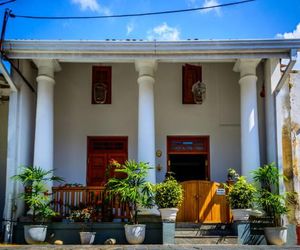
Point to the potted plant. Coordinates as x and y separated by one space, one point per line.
37 199
134 190
232 174
240 196
168 197
272 203
84 215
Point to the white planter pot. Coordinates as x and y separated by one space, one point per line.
276 235
168 214
35 233
241 214
87 238
135 234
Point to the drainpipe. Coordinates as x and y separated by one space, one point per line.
9 214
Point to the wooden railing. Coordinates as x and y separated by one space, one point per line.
67 198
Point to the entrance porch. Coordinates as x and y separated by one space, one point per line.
141 91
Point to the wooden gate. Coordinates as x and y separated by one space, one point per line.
204 202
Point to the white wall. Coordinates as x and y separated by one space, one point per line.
218 116
76 118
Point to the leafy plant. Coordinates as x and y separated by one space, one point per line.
232 174
269 199
82 215
132 189
241 194
169 193
35 195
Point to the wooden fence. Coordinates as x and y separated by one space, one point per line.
67 198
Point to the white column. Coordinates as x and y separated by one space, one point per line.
146 121
272 76
43 145
249 118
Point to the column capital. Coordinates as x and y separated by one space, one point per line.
146 67
47 66
246 66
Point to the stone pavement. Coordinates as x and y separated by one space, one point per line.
147 247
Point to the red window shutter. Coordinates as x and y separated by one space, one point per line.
190 75
101 85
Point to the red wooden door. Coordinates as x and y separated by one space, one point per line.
96 169
102 149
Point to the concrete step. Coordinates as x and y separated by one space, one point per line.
203 240
196 230
196 233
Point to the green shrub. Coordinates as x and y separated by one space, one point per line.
269 199
241 194
169 193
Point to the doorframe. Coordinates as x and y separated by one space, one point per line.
205 139
104 138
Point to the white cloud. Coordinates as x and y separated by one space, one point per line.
291 35
207 3
92 5
163 32
129 27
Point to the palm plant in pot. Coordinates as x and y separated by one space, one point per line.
271 202
37 199
134 190
240 196
168 197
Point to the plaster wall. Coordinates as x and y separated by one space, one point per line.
76 118
218 116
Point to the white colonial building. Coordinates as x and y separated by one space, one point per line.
195 108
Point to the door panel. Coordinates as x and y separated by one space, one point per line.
96 169
203 204
100 150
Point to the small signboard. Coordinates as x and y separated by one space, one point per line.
221 191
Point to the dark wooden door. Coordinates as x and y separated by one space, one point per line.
101 150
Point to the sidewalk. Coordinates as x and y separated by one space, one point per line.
146 247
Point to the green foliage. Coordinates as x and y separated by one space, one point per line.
134 189
35 195
232 174
268 176
269 199
241 194
169 193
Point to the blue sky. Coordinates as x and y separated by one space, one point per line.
258 19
